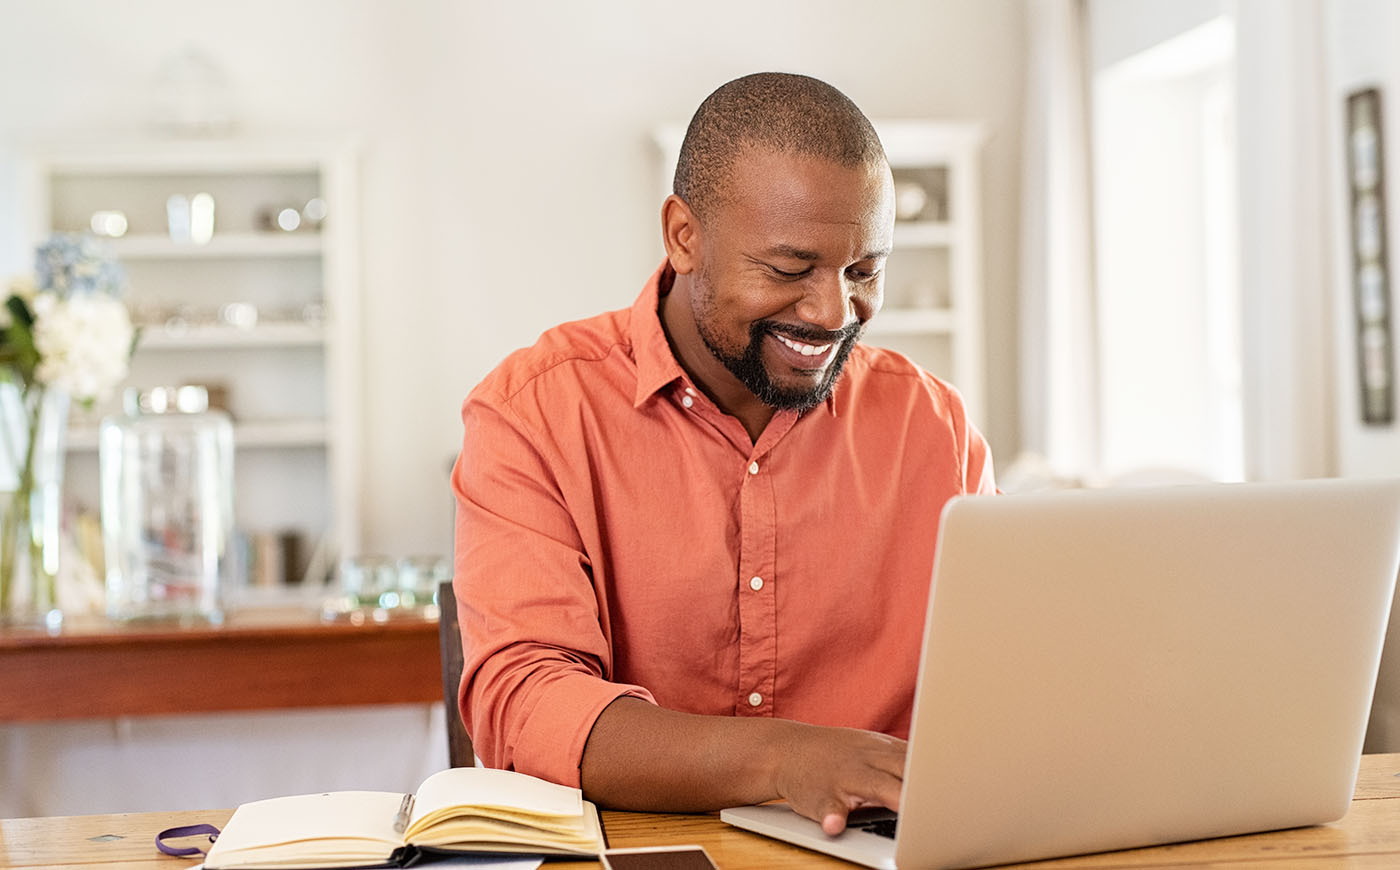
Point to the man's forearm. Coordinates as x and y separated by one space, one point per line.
642 757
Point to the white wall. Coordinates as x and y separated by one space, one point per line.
1361 39
508 182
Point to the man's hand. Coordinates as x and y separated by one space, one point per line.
643 757
827 772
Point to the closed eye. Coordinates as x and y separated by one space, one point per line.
789 275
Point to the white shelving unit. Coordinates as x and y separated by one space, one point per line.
266 244
933 279
292 377
211 336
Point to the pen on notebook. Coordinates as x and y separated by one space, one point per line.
401 820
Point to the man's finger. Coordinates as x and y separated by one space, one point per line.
879 788
834 823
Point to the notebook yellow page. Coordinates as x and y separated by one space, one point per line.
469 804
334 829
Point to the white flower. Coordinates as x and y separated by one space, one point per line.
83 343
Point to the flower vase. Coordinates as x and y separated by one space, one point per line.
33 432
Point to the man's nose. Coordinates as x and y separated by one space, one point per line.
827 304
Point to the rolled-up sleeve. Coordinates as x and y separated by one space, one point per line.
537 659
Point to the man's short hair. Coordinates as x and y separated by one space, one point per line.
780 112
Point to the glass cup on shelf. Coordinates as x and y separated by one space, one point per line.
369 581
419 577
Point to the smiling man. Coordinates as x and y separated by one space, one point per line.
695 536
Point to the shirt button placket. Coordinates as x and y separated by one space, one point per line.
756 616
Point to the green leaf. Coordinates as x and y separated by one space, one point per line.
20 312
20 351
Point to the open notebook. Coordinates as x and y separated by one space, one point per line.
462 810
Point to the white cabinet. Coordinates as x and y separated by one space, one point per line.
267 318
933 279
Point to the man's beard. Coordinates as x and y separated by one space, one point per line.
748 366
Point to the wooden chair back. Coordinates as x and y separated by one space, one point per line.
459 742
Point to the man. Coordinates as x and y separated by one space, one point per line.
694 537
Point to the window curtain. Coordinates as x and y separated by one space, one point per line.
1059 370
1284 119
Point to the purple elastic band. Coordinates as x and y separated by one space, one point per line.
185 831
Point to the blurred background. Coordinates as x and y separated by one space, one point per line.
1157 232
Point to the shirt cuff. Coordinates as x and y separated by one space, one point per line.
551 741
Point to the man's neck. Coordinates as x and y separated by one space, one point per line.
709 374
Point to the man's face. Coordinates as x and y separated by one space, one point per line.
791 268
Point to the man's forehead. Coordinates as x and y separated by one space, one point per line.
808 186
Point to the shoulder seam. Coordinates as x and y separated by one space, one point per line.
575 358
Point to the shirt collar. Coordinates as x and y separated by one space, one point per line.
656 364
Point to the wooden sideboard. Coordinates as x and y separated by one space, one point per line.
256 660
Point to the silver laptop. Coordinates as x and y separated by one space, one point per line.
1119 668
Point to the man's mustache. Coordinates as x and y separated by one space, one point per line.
808 334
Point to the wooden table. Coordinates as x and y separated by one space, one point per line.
256 660
1367 839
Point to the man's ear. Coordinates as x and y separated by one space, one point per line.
680 232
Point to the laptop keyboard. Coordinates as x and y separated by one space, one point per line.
880 827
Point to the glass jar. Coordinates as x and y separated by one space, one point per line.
167 505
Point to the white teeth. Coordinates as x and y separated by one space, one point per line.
804 349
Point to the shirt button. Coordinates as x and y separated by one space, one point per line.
755 699
753 467
689 391
756 583
687 401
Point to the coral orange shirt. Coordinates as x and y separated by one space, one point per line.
618 534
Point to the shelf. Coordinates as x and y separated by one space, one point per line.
154 246
280 433
220 337
910 321
94 668
253 434
922 234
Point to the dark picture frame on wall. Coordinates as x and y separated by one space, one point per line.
1375 353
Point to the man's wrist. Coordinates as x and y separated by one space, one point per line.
776 745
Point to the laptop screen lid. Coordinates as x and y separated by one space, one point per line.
1117 668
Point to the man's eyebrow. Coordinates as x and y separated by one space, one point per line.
792 252
796 253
